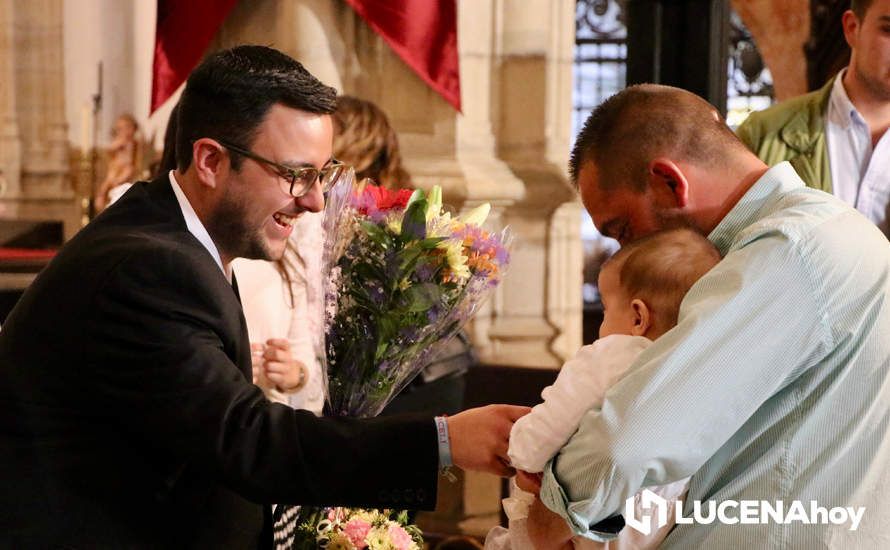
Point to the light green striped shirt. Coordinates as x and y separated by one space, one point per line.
773 385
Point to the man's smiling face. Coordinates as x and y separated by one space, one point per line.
255 216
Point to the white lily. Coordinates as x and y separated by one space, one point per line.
476 216
434 202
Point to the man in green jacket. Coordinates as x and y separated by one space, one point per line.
836 138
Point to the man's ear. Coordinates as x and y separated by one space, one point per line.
667 178
210 162
642 317
850 24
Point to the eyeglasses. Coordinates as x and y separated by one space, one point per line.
300 180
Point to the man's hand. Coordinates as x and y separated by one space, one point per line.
547 530
480 437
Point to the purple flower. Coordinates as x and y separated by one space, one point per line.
501 255
378 296
433 314
424 272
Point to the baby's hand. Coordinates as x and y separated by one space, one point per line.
281 368
529 482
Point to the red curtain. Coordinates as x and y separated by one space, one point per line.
424 34
183 32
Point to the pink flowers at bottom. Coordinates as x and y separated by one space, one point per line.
357 529
399 537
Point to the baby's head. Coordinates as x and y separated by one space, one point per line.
642 285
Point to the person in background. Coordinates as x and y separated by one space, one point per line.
282 303
836 138
365 140
123 159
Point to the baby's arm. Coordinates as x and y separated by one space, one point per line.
546 530
581 385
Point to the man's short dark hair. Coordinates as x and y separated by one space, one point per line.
860 7
228 95
643 121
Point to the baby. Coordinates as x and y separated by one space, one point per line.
641 287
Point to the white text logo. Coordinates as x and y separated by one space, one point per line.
731 512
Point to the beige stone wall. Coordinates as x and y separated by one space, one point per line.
33 131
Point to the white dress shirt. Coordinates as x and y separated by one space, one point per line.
197 228
860 173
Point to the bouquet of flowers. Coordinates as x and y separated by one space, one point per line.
355 529
402 277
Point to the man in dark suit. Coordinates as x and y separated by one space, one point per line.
127 415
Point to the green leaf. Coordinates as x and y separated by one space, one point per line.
377 234
408 258
430 242
414 221
415 196
421 297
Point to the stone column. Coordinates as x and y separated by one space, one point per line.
10 140
541 324
34 153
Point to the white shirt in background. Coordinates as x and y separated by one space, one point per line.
860 173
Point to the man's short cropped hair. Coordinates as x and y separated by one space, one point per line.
228 95
643 122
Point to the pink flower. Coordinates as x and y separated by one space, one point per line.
357 529
399 537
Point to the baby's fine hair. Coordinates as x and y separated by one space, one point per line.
661 268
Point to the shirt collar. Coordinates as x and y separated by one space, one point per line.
777 181
841 110
196 228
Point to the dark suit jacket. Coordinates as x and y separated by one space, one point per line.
127 415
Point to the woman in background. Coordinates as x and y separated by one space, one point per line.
364 140
282 302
